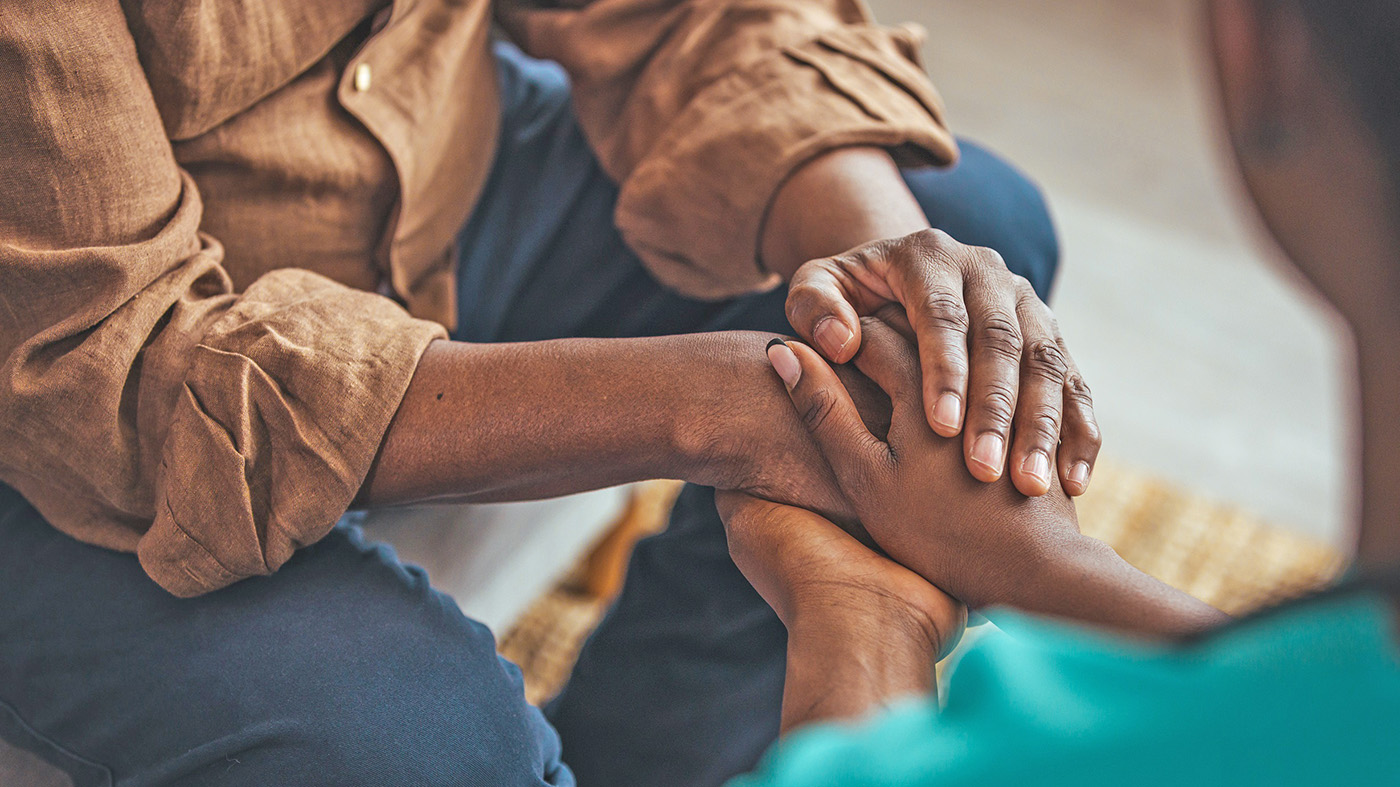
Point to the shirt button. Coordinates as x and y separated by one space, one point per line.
363 76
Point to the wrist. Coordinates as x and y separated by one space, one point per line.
844 668
726 384
733 426
851 620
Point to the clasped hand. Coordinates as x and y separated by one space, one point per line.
992 364
937 527
960 373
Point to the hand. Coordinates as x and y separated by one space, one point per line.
863 630
1021 380
982 543
744 434
814 574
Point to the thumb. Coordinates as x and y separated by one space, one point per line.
825 408
821 313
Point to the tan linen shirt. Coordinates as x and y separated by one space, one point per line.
199 198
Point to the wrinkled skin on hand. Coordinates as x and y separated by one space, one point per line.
909 488
993 365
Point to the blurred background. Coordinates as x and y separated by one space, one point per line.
1218 379
1211 368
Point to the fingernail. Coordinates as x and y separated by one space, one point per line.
1079 475
947 412
784 362
987 452
833 336
1037 466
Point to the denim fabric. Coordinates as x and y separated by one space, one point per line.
345 667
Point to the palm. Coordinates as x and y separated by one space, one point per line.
792 555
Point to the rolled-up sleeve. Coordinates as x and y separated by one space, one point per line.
144 405
700 109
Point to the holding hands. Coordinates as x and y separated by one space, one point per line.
908 489
994 366
862 629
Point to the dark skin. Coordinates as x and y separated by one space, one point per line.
1341 238
887 646
1330 209
880 621
987 545
549 418
983 336
578 414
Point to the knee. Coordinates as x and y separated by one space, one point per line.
422 732
1035 245
377 679
985 201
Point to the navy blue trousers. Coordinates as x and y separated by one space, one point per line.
345 667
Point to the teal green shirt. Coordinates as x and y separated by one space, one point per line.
1309 695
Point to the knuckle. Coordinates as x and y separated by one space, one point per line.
818 409
926 263
946 311
1000 335
931 250
804 302
851 263
951 366
1044 423
1077 394
1032 303
811 269
1045 358
998 402
1092 435
1077 391
1087 436
804 291
929 236
990 259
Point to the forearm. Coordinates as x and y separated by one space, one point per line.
837 201
491 422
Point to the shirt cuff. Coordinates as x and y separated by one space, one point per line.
284 403
693 207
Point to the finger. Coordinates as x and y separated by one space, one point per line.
820 309
932 295
889 359
1080 439
1044 369
894 315
856 456
996 361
